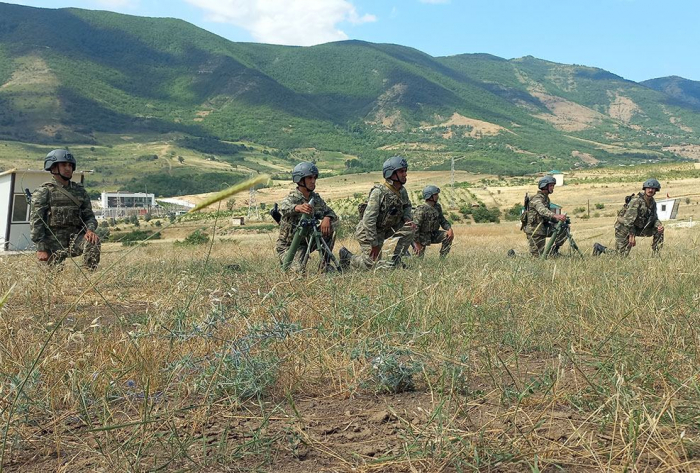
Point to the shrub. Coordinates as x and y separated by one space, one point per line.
136 236
514 212
599 206
198 237
483 214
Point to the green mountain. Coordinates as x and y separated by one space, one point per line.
683 90
80 76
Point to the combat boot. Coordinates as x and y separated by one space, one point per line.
598 249
396 262
345 256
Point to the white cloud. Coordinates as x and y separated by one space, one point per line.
292 22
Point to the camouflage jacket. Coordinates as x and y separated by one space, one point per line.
637 215
387 211
290 217
538 211
429 219
56 217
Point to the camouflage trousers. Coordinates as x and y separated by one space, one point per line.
622 246
363 260
537 241
74 245
437 237
298 264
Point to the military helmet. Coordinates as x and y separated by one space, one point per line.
302 170
58 156
392 165
653 183
430 191
545 181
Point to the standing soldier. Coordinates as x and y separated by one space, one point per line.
541 219
637 218
295 205
429 218
388 214
62 221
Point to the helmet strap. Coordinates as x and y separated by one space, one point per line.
67 179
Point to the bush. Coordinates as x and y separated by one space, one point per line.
198 237
599 206
579 210
483 214
136 236
103 231
513 213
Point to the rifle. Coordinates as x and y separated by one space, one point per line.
526 207
275 213
309 229
562 226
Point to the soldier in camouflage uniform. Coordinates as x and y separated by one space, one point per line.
541 220
295 205
388 214
429 218
637 218
62 222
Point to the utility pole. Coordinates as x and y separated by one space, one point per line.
452 183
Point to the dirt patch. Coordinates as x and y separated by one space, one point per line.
31 70
585 157
383 113
477 128
677 121
622 108
687 151
566 116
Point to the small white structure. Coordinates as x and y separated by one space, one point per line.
667 209
558 176
15 185
130 200
238 221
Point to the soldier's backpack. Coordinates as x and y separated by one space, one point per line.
628 199
362 206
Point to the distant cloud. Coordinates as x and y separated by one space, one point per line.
292 22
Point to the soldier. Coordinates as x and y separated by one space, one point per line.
388 214
429 218
637 218
294 205
62 222
541 219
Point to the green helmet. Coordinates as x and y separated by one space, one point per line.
653 183
430 191
58 156
392 165
545 181
302 170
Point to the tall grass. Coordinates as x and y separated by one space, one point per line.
210 358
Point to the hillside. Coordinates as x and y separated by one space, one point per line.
351 103
684 90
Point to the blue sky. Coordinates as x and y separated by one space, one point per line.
636 39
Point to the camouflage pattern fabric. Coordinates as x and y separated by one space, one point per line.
385 216
540 224
290 219
638 218
429 219
58 224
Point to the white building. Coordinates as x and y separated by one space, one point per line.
667 209
558 176
127 200
15 185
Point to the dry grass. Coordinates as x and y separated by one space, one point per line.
209 358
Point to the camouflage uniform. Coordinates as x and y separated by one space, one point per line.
290 219
429 219
58 224
638 218
385 216
540 224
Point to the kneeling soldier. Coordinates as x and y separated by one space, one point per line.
541 220
637 218
387 215
295 205
62 222
429 218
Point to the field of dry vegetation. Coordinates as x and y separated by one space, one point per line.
209 358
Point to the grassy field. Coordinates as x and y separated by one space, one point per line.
208 358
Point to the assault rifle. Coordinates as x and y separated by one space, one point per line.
562 226
309 230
